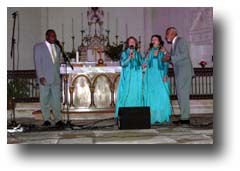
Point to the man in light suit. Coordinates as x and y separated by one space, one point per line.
46 57
183 71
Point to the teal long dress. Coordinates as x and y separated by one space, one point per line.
156 92
130 83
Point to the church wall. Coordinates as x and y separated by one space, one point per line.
139 22
29 34
194 24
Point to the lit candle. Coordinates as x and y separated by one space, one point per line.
116 26
82 20
62 32
108 21
72 28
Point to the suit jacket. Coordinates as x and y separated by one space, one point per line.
44 65
181 59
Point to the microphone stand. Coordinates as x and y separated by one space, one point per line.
13 119
66 62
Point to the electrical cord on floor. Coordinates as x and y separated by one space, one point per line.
35 128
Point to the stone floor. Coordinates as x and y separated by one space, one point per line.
98 128
104 132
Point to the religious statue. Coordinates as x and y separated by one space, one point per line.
95 16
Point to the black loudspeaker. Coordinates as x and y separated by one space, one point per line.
134 118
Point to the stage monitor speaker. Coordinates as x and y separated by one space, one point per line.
134 118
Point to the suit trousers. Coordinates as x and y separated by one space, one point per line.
50 99
183 78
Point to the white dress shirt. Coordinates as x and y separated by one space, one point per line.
52 50
173 42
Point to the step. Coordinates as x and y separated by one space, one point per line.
32 110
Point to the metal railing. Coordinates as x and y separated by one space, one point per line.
202 84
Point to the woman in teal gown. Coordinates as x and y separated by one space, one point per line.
156 84
130 83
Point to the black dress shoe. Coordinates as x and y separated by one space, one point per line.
178 122
46 124
185 122
60 124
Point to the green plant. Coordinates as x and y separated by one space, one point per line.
17 88
114 51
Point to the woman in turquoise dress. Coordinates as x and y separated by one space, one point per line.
130 83
156 84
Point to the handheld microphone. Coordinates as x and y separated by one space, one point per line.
151 45
131 47
65 57
131 50
58 44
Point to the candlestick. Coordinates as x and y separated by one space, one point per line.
62 32
73 46
82 20
117 26
72 28
108 20
82 32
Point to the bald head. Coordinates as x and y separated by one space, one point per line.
171 33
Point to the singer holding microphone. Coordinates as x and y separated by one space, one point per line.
130 83
183 71
155 82
46 58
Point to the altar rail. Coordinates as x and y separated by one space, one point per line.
27 88
202 84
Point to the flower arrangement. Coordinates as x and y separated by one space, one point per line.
203 63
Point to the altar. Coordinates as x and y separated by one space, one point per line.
87 87
92 84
